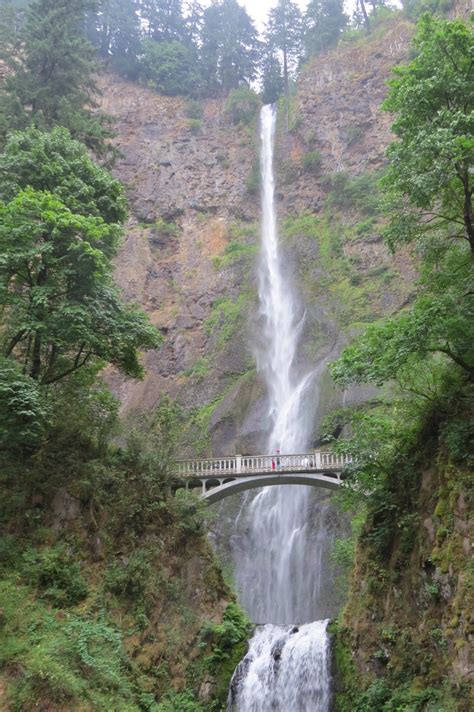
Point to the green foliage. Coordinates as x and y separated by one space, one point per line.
311 162
62 309
288 171
130 578
115 32
55 163
169 67
194 109
229 47
60 662
242 105
360 192
324 22
227 642
415 8
50 83
163 227
253 181
195 126
24 412
438 323
191 512
226 317
429 182
56 573
182 701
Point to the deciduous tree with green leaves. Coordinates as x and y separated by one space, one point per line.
59 228
430 179
424 354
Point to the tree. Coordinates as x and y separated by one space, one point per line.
54 162
170 68
430 178
115 32
230 48
61 309
430 193
324 22
50 80
272 76
284 34
163 19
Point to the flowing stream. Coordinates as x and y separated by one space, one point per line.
278 570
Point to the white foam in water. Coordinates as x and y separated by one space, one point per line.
277 568
285 670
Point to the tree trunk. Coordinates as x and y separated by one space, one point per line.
287 89
364 13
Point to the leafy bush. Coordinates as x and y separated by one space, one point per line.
242 105
361 192
194 125
194 109
56 572
288 171
182 701
311 162
235 628
24 412
131 578
9 550
191 511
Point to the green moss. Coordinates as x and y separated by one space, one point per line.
228 644
227 317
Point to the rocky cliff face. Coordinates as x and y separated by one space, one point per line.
191 232
192 239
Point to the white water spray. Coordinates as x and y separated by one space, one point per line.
278 570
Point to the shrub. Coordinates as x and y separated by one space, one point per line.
194 109
24 413
311 162
131 578
194 125
182 701
56 573
288 171
242 105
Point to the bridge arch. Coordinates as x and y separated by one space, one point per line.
326 481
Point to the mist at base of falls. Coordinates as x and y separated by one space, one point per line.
284 669
280 537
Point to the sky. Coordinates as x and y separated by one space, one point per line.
258 9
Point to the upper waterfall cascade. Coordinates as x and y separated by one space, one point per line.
278 566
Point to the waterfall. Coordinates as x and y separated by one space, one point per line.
278 569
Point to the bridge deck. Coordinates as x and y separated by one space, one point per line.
250 465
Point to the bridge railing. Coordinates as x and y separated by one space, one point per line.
241 465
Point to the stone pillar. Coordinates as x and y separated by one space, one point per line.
317 459
238 463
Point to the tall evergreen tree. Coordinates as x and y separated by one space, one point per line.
51 73
230 47
284 33
324 22
163 19
115 32
272 76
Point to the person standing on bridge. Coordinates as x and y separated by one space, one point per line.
305 462
278 460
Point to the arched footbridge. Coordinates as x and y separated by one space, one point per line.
220 477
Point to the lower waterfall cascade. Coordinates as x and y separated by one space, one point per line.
278 569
